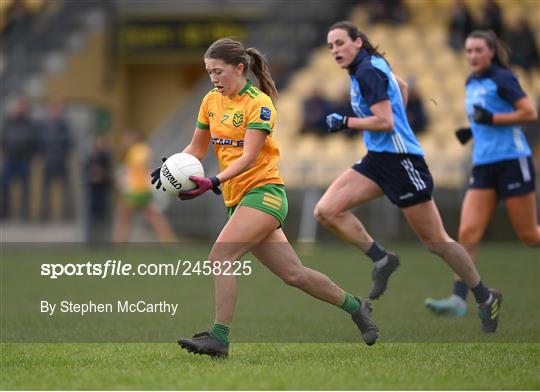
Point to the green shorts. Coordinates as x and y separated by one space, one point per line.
270 198
138 199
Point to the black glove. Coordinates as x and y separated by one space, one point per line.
463 135
482 116
336 122
155 175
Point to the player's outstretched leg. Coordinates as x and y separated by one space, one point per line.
279 257
476 211
425 220
333 211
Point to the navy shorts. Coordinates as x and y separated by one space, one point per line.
512 177
404 178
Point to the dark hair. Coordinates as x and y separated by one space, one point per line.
233 52
491 40
354 33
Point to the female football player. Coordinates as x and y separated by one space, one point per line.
239 118
136 192
394 166
502 163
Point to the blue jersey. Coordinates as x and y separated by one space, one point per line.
496 90
372 81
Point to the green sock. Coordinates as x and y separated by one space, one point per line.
221 333
350 303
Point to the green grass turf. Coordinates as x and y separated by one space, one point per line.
416 349
273 366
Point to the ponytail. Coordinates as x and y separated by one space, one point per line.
491 40
259 68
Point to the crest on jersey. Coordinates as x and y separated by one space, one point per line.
265 114
238 119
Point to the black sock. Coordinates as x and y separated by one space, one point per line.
481 293
461 289
376 252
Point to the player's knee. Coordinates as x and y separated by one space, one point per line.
321 213
324 214
295 278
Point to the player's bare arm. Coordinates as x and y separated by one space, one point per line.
381 121
199 144
403 89
525 113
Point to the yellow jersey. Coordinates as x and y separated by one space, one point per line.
228 120
137 161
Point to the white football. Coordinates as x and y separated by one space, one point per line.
177 169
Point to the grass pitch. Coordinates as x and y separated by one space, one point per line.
416 351
161 366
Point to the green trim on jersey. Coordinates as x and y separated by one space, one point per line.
244 89
263 126
269 198
200 125
253 90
